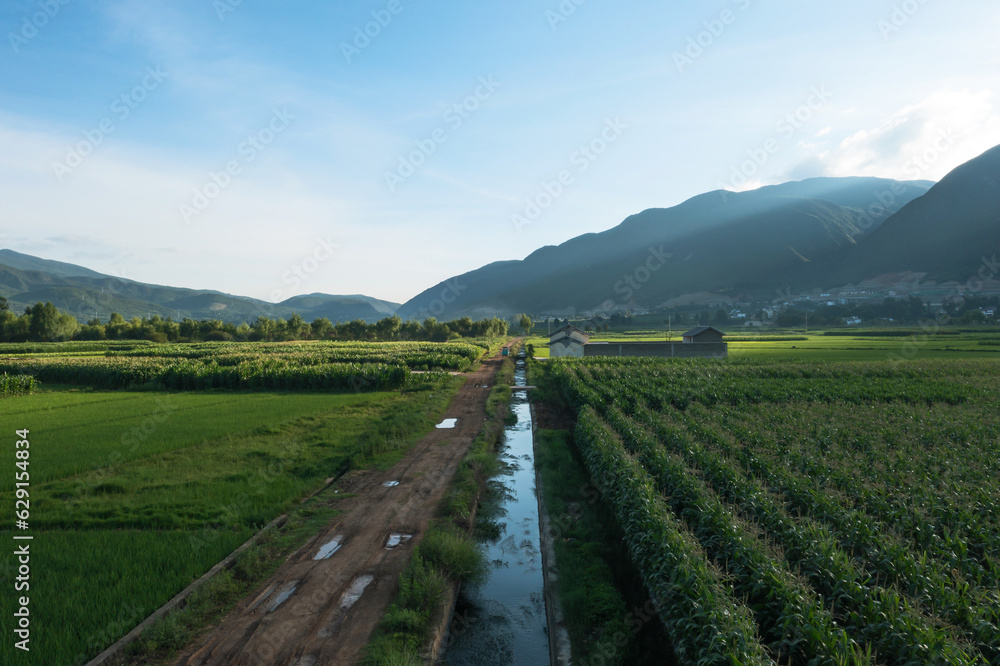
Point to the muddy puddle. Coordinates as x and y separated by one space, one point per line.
327 550
287 591
395 540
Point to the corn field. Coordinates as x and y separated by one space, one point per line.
246 366
11 385
804 513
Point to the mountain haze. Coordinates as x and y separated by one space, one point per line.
722 242
820 233
945 233
26 280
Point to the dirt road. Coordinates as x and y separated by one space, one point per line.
323 611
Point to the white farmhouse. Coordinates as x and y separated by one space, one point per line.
567 341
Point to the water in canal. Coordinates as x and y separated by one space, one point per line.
502 622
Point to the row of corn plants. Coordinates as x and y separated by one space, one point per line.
187 375
849 580
957 520
11 385
352 366
447 356
907 577
791 618
706 623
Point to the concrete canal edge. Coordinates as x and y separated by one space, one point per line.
559 646
442 632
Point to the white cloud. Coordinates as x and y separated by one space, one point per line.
924 141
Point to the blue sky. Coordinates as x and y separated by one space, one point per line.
272 149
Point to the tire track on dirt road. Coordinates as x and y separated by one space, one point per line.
323 611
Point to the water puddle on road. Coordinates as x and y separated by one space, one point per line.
447 424
355 591
287 591
396 540
329 548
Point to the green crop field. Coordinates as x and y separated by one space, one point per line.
336 366
135 494
837 345
803 512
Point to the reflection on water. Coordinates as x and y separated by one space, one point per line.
502 622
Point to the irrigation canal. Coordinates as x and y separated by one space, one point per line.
502 622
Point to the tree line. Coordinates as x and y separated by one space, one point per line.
43 322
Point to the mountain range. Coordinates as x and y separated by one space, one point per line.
820 233
26 280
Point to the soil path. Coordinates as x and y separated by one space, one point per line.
313 612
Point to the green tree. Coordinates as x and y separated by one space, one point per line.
44 323
388 328
322 328
297 327
526 324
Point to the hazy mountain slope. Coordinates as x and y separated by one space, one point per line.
26 280
721 241
26 262
945 233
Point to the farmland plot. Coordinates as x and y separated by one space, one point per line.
835 513
135 494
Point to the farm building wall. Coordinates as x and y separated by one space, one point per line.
658 349
567 347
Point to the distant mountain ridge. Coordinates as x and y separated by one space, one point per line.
26 280
945 233
726 243
819 233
